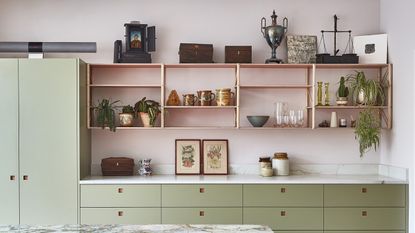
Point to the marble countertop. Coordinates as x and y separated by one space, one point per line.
138 228
244 179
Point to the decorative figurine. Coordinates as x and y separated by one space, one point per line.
139 40
145 167
174 99
319 93
274 34
326 94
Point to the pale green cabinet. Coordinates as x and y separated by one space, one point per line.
202 215
49 138
9 173
121 215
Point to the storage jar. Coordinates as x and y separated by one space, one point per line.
281 164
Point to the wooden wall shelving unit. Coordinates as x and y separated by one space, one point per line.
306 84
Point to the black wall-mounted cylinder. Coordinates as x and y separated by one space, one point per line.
48 47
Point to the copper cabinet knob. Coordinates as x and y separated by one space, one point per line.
364 213
283 213
283 190
120 213
120 190
364 190
12 177
25 177
201 213
201 190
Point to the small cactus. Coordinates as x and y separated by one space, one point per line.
128 109
343 91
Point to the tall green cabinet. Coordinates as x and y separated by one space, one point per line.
44 137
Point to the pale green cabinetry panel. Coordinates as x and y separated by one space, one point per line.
298 231
364 232
120 195
202 215
48 141
202 195
283 195
120 215
9 168
364 195
364 219
307 219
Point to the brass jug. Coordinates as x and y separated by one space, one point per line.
205 97
189 100
224 97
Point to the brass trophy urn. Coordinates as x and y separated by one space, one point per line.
274 34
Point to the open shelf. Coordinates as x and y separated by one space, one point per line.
200 107
277 86
125 86
127 65
351 66
201 65
351 107
277 66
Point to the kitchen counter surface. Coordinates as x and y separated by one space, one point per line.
244 179
138 228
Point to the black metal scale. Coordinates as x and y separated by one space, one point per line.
346 58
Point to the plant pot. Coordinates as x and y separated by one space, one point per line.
342 101
145 118
126 119
361 97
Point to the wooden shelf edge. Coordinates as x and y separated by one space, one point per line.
276 86
350 107
200 107
201 65
126 65
123 86
350 66
276 66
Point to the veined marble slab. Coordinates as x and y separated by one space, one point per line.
138 229
244 179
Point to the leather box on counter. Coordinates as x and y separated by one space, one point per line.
238 54
117 166
196 53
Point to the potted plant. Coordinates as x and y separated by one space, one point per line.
127 116
105 114
342 93
368 130
365 91
149 111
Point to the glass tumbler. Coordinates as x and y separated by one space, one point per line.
293 119
300 118
280 109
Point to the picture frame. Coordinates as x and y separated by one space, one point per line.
215 157
135 38
371 49
187 157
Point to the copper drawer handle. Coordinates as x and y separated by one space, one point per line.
120 213
12 177
283 190
364 190
283 213
364 213
201 190
25 177
120 190
201 213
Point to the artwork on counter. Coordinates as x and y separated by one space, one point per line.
371 49
301 49
188 156
215 157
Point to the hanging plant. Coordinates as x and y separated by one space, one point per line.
368 130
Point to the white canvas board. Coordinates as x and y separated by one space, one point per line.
371 49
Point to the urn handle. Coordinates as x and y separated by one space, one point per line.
285 24
263 25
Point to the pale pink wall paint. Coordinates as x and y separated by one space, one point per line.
216 21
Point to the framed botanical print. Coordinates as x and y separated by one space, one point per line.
188 157
215 157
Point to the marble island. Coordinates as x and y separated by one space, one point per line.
138 229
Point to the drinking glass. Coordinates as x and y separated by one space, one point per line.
285 121
293 119
300 118
280 110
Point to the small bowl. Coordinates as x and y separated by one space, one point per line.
257 121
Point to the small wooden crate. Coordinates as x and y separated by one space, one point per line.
238 54
117 166
196 53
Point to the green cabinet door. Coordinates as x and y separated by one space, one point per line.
202 216
48 141
9 186
201 195
120 215
288 219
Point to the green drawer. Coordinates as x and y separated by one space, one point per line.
120 215
300 219
283 195
120 195
298 231
364 219
372 195
202 195
202 215
364 232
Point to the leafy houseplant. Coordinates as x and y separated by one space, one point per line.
149 111
367 130
127 116
342 92
365 91
105 114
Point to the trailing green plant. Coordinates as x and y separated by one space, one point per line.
148 106
367 130
128 109
343 91
372 91
105 113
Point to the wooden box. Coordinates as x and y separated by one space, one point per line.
238 54
196 53
117 166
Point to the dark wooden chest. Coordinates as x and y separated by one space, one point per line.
238 54
196 53
117 166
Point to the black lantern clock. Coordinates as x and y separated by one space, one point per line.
139 40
